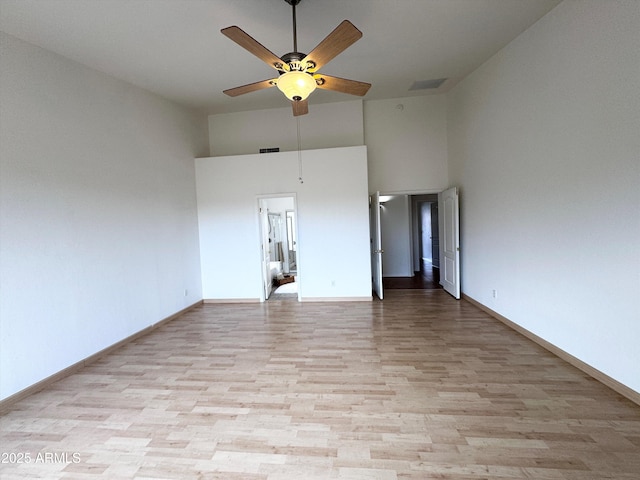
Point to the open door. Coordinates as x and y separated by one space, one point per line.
265 259
448 217
376 245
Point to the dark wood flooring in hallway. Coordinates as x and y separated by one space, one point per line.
427 279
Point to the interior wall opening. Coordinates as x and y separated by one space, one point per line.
410 238
279 247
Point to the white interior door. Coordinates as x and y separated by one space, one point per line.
265 259
376 245
448 217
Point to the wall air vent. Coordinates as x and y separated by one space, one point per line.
270 150
427 84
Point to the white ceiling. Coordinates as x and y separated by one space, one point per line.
175 49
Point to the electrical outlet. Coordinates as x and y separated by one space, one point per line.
186 292
494 293
333 283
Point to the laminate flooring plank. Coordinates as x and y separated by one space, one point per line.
419 386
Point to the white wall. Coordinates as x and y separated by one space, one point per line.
98 212
544 143
280 205
326 126
407 149
332 212
407 146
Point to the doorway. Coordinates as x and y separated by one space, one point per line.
427 239
410 234
279 247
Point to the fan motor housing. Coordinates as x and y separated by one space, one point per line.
294 59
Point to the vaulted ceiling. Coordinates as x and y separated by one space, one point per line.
175 49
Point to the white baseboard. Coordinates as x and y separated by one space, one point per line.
603 378
231 300
42 384
336 299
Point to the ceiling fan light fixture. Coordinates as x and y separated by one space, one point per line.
296 85
298 71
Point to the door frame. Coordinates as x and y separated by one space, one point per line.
415 222
440 213
375 228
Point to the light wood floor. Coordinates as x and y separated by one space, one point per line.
419 386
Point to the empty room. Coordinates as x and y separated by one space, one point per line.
169 168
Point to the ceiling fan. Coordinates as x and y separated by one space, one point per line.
297 71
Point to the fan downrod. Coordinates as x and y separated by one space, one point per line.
293 4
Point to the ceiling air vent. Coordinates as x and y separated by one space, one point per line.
427 84
270 150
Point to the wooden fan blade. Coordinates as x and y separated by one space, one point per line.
337 84
300 107
250 44
251 87
345 35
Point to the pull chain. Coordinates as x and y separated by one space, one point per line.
299 151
